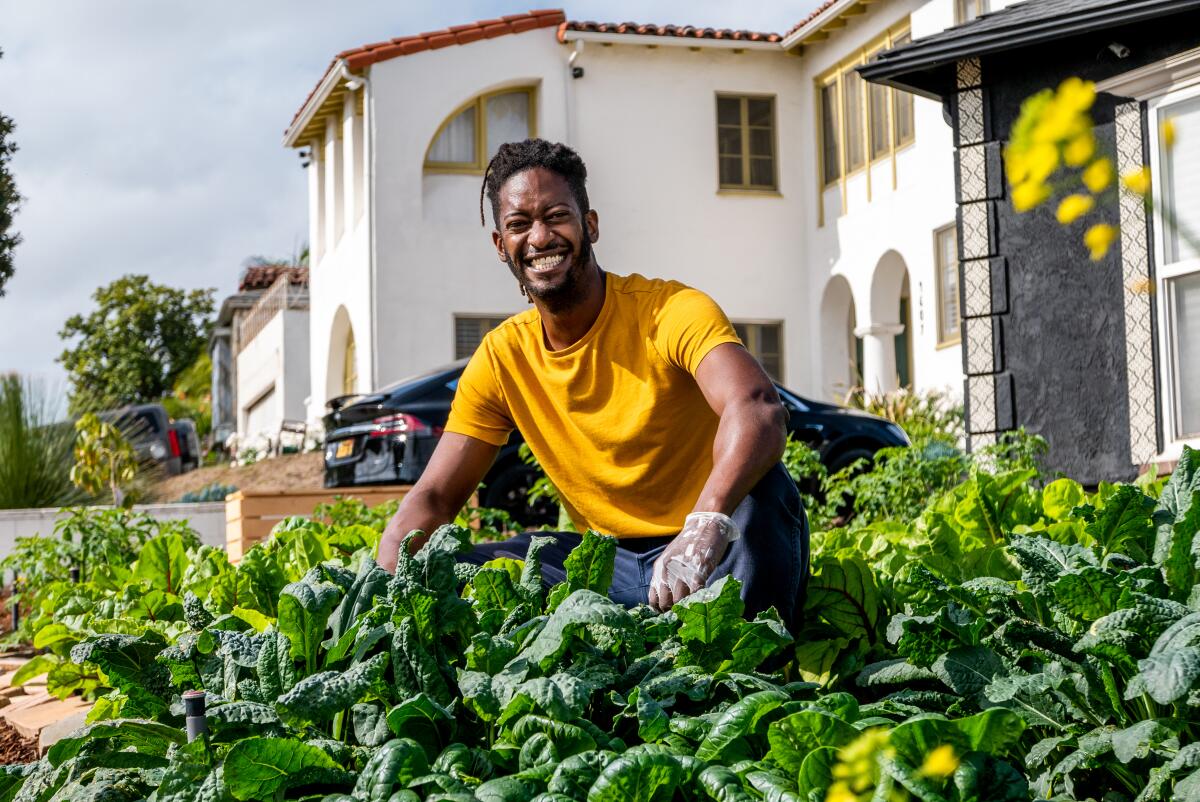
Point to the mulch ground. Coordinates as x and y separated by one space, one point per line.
14 748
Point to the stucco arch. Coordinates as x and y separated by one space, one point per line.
887 330
840 370
341 335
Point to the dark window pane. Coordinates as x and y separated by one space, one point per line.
903 104
829 133
762 172
759 111
740 330
731 170
852 88
761 142
879 120
729 141
729 111
773 365
469 333
770 338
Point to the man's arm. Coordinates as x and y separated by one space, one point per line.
750 439
752 433
457 466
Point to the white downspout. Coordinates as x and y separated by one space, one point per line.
353 82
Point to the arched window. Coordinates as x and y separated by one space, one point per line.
349 367
469 137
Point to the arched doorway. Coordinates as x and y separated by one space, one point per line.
887 335
341 374
841 362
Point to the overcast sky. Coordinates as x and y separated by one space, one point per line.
150 130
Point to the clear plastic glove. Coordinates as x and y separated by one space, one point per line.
691 558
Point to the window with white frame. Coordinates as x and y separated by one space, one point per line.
967 10
469 331
945 253
765 342
1175 117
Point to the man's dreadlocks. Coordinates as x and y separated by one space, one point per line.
516 157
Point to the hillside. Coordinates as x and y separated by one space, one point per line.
288 472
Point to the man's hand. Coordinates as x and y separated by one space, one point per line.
691 558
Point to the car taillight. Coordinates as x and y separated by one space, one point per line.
174 438
402 423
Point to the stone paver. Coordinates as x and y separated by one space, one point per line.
54 732
31 720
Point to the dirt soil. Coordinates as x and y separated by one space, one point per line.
288 472
14 748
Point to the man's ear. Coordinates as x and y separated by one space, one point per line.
593 225
498 241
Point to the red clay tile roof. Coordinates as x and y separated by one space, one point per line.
816 13
685 31
358 57
261 277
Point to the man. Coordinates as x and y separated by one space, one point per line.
637 398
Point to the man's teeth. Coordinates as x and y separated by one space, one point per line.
546 262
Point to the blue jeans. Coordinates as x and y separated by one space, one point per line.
770 559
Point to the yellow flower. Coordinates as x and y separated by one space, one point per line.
941 762
1073 207
1099 238
1098 175
1076 94
1028 195
1042 160
1080 150
1168 133
840 792
1138 181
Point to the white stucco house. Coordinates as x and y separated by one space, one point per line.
818 210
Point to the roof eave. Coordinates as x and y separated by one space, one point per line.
896 71
329 82
814 25
645 40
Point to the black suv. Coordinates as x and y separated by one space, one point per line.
387 437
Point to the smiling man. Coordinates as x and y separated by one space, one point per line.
637 398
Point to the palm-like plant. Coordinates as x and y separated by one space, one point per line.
36 452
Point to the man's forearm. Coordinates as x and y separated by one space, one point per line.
750 439
420 509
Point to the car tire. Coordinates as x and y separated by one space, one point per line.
508 491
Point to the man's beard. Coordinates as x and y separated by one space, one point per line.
570 292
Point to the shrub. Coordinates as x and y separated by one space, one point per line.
36 452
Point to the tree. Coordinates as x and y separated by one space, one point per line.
103 458
133 348
9 202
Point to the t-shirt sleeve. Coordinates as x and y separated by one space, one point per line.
689 324
478 409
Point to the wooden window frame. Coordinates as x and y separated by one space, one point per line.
940 290
744 126
747 345
835 75
479 102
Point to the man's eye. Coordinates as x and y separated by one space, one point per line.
517 225
559 216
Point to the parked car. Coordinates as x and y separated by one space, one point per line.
148 429
187 440
387 437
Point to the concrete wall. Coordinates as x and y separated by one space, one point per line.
208 519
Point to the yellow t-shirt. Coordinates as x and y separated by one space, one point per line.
616 420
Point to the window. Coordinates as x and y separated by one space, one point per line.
470 136
967 10
469 331
746 142
764 341
861 123
946 264
1178 252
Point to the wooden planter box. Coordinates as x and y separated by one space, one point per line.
250 516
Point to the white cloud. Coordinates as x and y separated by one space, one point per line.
149 134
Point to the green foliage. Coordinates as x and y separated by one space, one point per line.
136 344
214 491
191 396
10 201
36 453
104 459
924 416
